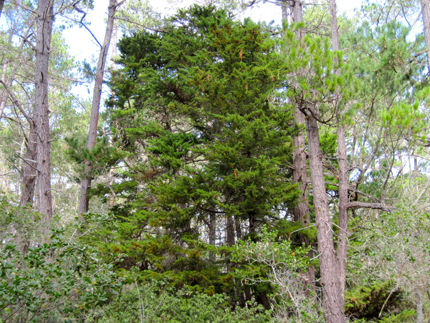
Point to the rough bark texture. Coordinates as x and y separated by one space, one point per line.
329 267
342 248
45 19
301 211
230 231
300 176
92 133
29 174
425 9
212 233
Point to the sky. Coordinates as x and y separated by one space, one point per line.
83 46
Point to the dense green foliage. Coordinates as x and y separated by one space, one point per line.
192 213
194 107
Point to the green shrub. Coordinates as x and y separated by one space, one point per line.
53 282
148 304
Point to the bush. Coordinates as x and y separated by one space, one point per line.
52 282
148 304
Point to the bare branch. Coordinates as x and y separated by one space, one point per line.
16 102
365 205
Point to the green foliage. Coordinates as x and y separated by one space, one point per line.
45 276
273 261
368 301
193 110
150 304
53 281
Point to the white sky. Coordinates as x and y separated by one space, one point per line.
82 45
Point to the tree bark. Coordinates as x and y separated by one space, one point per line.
45 20
92 133
342 248
301 210
212 233
230 231
425 9
329 267
30 164
1 6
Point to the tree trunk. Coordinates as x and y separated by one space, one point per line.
212 233
92 133
329 266
300 167
419 302
238 227
425 9
301 211
29 174
45 14
342 248
1 6
230 231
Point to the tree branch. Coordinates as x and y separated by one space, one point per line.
16 102
365 205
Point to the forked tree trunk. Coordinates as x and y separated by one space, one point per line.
329 266
92 133
300 167
45 13
342 248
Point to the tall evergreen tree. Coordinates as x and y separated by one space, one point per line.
195 108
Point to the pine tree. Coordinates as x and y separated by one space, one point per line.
208 142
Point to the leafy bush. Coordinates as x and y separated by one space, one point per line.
148 304
52 282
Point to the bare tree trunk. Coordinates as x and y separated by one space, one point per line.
329 266
342 248
212 233
300 167
425 9
45 14
1 6
30 164
230 231
301 211
92 134
419 302
238 227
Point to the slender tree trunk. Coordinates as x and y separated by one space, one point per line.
301 211
238 227
300 168
230 231
212 233
342 248
45 14
92 134
425 9
419 302
329 266
30 164
1 6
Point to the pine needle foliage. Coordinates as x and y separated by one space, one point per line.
194 108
